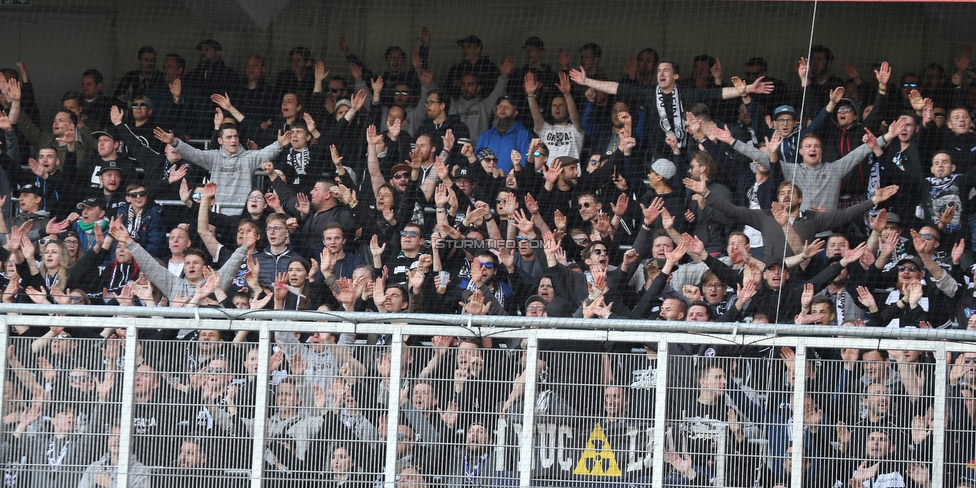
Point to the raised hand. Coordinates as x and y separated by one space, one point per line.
883 74
166 137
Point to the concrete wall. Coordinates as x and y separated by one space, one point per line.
59 38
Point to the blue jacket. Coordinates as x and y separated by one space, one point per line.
151 233
517 137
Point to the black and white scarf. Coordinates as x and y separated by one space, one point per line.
674 125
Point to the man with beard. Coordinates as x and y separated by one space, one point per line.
564 136
875 462
473 108
474 463
560 190
439 122
90 175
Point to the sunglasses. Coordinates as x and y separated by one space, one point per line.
139 105
401 94
488 265
196 195
939 115
539 154
431 102
409 233
137 194
908 267
336 90
599 252
927 236
909 85
587 204
845 109
400 176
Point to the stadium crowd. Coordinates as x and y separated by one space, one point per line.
495 190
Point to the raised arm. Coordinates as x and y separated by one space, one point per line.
579 76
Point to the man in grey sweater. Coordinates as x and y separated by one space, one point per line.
785 228
193 265
231 166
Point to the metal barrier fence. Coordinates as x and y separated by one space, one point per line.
479 401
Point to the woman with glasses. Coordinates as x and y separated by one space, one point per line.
143 219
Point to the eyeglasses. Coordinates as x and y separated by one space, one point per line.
336 90
401 437
431 102
909 85
535 309
400 176
784 120
713 285
139 105
409 233
487 265
845 109
490 159
276 229
908 267
599 252
927 236
255 198
401 94
580 239
594 162
78 379
137 194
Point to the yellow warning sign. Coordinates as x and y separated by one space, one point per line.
598 458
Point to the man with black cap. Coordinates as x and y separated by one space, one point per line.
31 201
506 135
660 177
472 63
209 77
112 194
92 214
89 173
212 75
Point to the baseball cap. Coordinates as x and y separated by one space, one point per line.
784 109
662 167
33 189
99 133
462 173
110 166
90 203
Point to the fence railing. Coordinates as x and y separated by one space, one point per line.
243 400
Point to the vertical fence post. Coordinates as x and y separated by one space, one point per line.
128 394
528 412
393 406
939 416
660 413
260 431
799 393
4 337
